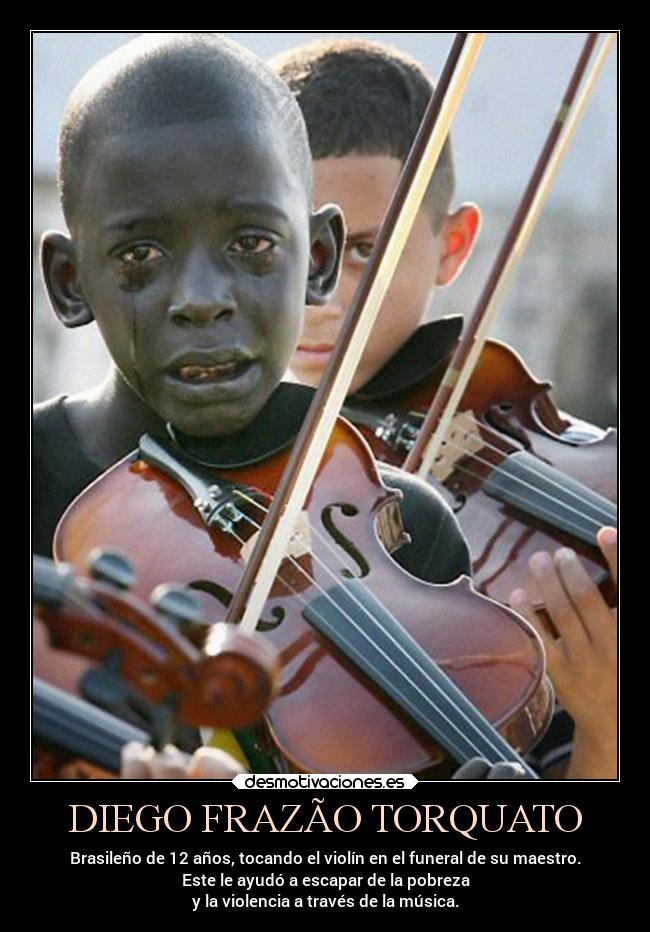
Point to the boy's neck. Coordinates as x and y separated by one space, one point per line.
109 419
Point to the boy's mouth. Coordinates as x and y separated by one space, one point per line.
198 375
312 355
315 349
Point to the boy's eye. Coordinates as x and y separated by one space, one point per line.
359 251
141 254
252 245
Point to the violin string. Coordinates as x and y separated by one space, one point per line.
337 554
548 513
325 542
471 455
486 429
524 501
86 604
515 499
527 467
387 657
364 608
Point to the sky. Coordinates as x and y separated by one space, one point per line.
508 106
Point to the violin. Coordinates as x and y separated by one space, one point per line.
146 650
380 672
363 684
519 474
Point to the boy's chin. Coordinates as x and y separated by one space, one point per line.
304 376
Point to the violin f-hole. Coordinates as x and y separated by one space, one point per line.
348 511
224 597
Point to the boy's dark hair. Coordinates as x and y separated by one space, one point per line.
365 98
162 79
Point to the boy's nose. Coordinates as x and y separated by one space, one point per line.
203 293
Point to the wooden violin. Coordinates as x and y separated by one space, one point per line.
380 672
336 614
519 474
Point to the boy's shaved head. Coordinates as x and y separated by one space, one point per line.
364 98
162 79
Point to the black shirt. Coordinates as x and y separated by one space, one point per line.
60 470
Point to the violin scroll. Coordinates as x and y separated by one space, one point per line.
229 687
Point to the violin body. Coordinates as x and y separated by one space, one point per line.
326 716
512 412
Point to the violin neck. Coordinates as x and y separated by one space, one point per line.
527 483
79 728
372 638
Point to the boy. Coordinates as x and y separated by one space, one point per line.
185 179
363 103
191 278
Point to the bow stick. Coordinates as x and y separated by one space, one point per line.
447 398
278 528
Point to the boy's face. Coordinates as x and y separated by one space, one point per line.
192 253
362 185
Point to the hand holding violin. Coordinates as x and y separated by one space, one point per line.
581 653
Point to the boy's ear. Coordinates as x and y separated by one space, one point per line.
59 267
458 235
327 243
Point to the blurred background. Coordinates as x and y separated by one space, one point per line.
561 313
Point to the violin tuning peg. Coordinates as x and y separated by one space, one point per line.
177 603
112 567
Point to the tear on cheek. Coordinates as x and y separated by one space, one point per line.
129 278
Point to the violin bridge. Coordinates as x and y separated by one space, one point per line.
299 545
462 439
390 528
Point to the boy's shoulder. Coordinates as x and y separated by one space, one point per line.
54 438
425 351
44 412
60 469
52 433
